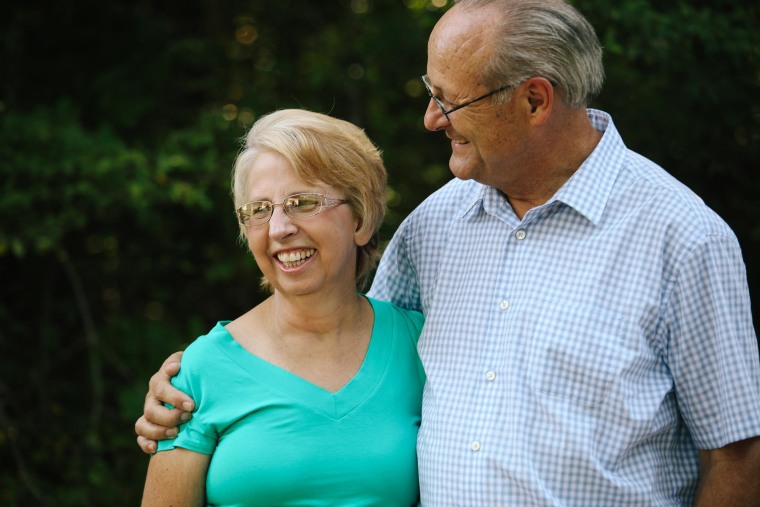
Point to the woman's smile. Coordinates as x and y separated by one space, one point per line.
295 258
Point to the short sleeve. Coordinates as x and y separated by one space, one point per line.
396 279
195 435
712 347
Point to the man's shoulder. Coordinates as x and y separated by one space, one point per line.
665 212
456 189
670 200
449 201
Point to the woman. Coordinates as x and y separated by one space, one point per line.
331 379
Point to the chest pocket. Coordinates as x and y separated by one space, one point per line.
577 352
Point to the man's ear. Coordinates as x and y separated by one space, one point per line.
534 103
540 95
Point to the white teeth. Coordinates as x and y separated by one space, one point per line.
296 257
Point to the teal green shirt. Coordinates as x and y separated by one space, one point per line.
277 439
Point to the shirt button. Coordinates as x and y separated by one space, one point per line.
490 376
520 234
475 446
504 304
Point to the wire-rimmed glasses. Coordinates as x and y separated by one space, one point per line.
296 206
446 112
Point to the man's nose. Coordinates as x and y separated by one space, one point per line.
434 118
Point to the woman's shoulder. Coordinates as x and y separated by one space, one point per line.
208 344
386 311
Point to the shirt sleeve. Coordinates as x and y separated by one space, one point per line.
411 326
194 435
396 279
712 347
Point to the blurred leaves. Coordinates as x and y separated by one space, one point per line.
120 122
682 85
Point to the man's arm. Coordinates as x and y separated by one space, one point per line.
157 421
730 476
714 363
396 279
176 477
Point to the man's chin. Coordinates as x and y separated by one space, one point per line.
461 168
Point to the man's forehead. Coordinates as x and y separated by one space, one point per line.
461 43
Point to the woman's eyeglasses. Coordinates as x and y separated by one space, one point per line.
295 206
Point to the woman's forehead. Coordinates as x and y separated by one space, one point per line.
271 176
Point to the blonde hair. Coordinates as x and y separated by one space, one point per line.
323 149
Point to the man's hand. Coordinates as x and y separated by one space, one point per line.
157 421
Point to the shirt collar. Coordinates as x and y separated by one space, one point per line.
588 188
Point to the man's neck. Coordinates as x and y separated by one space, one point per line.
564 146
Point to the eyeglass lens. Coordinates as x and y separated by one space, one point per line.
259 212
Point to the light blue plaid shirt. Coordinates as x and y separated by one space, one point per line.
579 356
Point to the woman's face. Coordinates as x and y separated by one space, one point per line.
301 255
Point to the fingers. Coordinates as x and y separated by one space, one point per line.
147 446
158 414
160 390
171 365
159 422
148 434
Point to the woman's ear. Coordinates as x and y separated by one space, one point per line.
361 235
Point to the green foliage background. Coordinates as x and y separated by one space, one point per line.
119 122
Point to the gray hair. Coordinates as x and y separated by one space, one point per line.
546 38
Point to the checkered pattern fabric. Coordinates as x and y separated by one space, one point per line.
581 355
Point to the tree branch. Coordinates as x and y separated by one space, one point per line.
93 342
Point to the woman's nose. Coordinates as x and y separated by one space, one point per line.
281 224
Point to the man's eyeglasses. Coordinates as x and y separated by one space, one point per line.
452 108
296 206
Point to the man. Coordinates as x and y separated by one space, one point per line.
588 337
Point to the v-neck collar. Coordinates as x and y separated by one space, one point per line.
334 405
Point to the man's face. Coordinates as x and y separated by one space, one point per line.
485 136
